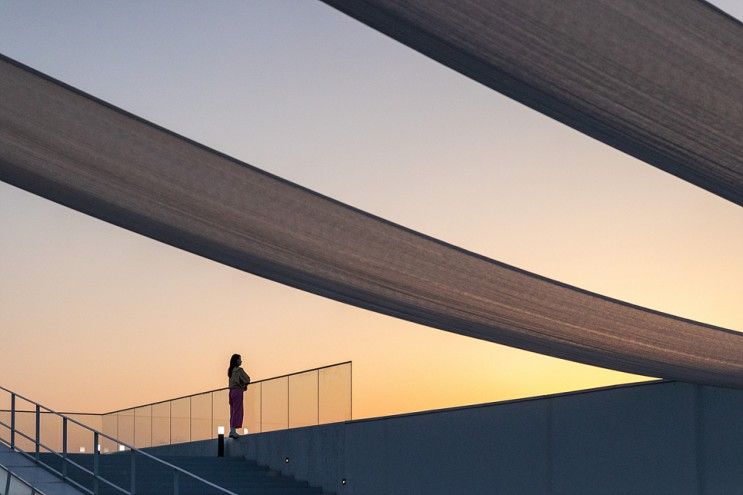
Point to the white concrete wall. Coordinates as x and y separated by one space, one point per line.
656 438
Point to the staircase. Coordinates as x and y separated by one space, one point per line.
233 473
129 472
27 476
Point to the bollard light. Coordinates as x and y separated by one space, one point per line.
220 441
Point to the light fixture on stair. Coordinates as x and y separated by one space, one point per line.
220 441
122 448
82 450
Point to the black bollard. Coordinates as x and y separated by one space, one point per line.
220 443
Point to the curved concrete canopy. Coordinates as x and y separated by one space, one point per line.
662 81
69 147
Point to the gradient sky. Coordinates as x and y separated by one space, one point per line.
93 317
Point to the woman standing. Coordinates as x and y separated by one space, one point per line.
239 381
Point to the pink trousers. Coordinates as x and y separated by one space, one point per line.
236 408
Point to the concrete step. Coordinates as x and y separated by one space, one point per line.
33 474
233 473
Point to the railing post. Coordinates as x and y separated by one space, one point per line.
7 483
12 421
38 432
133 481
64 448
175 482
96 464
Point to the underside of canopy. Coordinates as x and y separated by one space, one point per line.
69 147
660 80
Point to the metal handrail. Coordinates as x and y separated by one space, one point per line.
6 487
97 478
225 388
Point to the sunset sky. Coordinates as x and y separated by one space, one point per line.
94 317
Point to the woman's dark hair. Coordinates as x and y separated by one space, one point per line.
233 364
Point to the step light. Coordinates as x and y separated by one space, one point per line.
220 441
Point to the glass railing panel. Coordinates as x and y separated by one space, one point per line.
180 420
79 439
126 426
94 421
201 417
143 427
5 431
220 411
5 418
50 432
25 424
252 408
161 423
335 394
109 426
275 404
303 399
